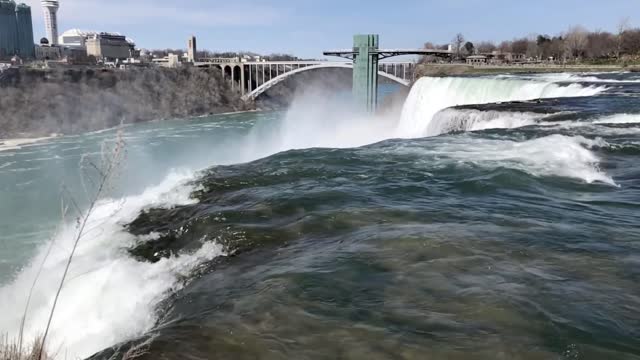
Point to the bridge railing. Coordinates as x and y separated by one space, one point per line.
262 76
403 70
247 76
219 60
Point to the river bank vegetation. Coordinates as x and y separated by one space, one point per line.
577 45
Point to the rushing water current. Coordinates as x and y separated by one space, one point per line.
493 217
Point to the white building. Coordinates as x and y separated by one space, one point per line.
170 61
102 45
109 47
50 9
74 38
78 38
476 60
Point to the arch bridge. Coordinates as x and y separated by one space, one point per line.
254 78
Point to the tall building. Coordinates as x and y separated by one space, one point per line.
16 30
8 29
192 49
50 8
25 31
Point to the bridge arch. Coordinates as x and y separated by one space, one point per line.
278 79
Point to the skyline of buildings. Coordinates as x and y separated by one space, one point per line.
17 39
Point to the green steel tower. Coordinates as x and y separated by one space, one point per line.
365 71
366 56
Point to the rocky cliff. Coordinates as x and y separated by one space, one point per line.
40 102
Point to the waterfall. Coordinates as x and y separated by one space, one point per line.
430 95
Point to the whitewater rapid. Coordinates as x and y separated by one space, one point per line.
108 296
430 95
111 297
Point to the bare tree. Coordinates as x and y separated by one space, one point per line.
457 44
281 57
601 45
506 46
486 47
532 49
429 45
557 48
622 27
576 41
520 46
426 59
631 43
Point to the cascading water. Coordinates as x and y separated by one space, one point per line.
112 297
430 95
449 120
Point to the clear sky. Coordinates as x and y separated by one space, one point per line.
307 27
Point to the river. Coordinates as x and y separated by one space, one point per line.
493 217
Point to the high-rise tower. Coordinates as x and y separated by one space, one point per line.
8 29
25 31
50 8
192 49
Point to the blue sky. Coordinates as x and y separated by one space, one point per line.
307 27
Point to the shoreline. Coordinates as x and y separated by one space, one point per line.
18 143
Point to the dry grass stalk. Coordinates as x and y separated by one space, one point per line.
99 176
105 170
13 351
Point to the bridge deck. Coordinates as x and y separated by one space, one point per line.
385 53
302 62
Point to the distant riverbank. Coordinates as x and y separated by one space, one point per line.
462 69
36 103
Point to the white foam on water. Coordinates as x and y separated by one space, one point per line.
451 119
619 119
599 126
584 77
567 77
108 297
554 155
430 95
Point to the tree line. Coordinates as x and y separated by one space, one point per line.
575 45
